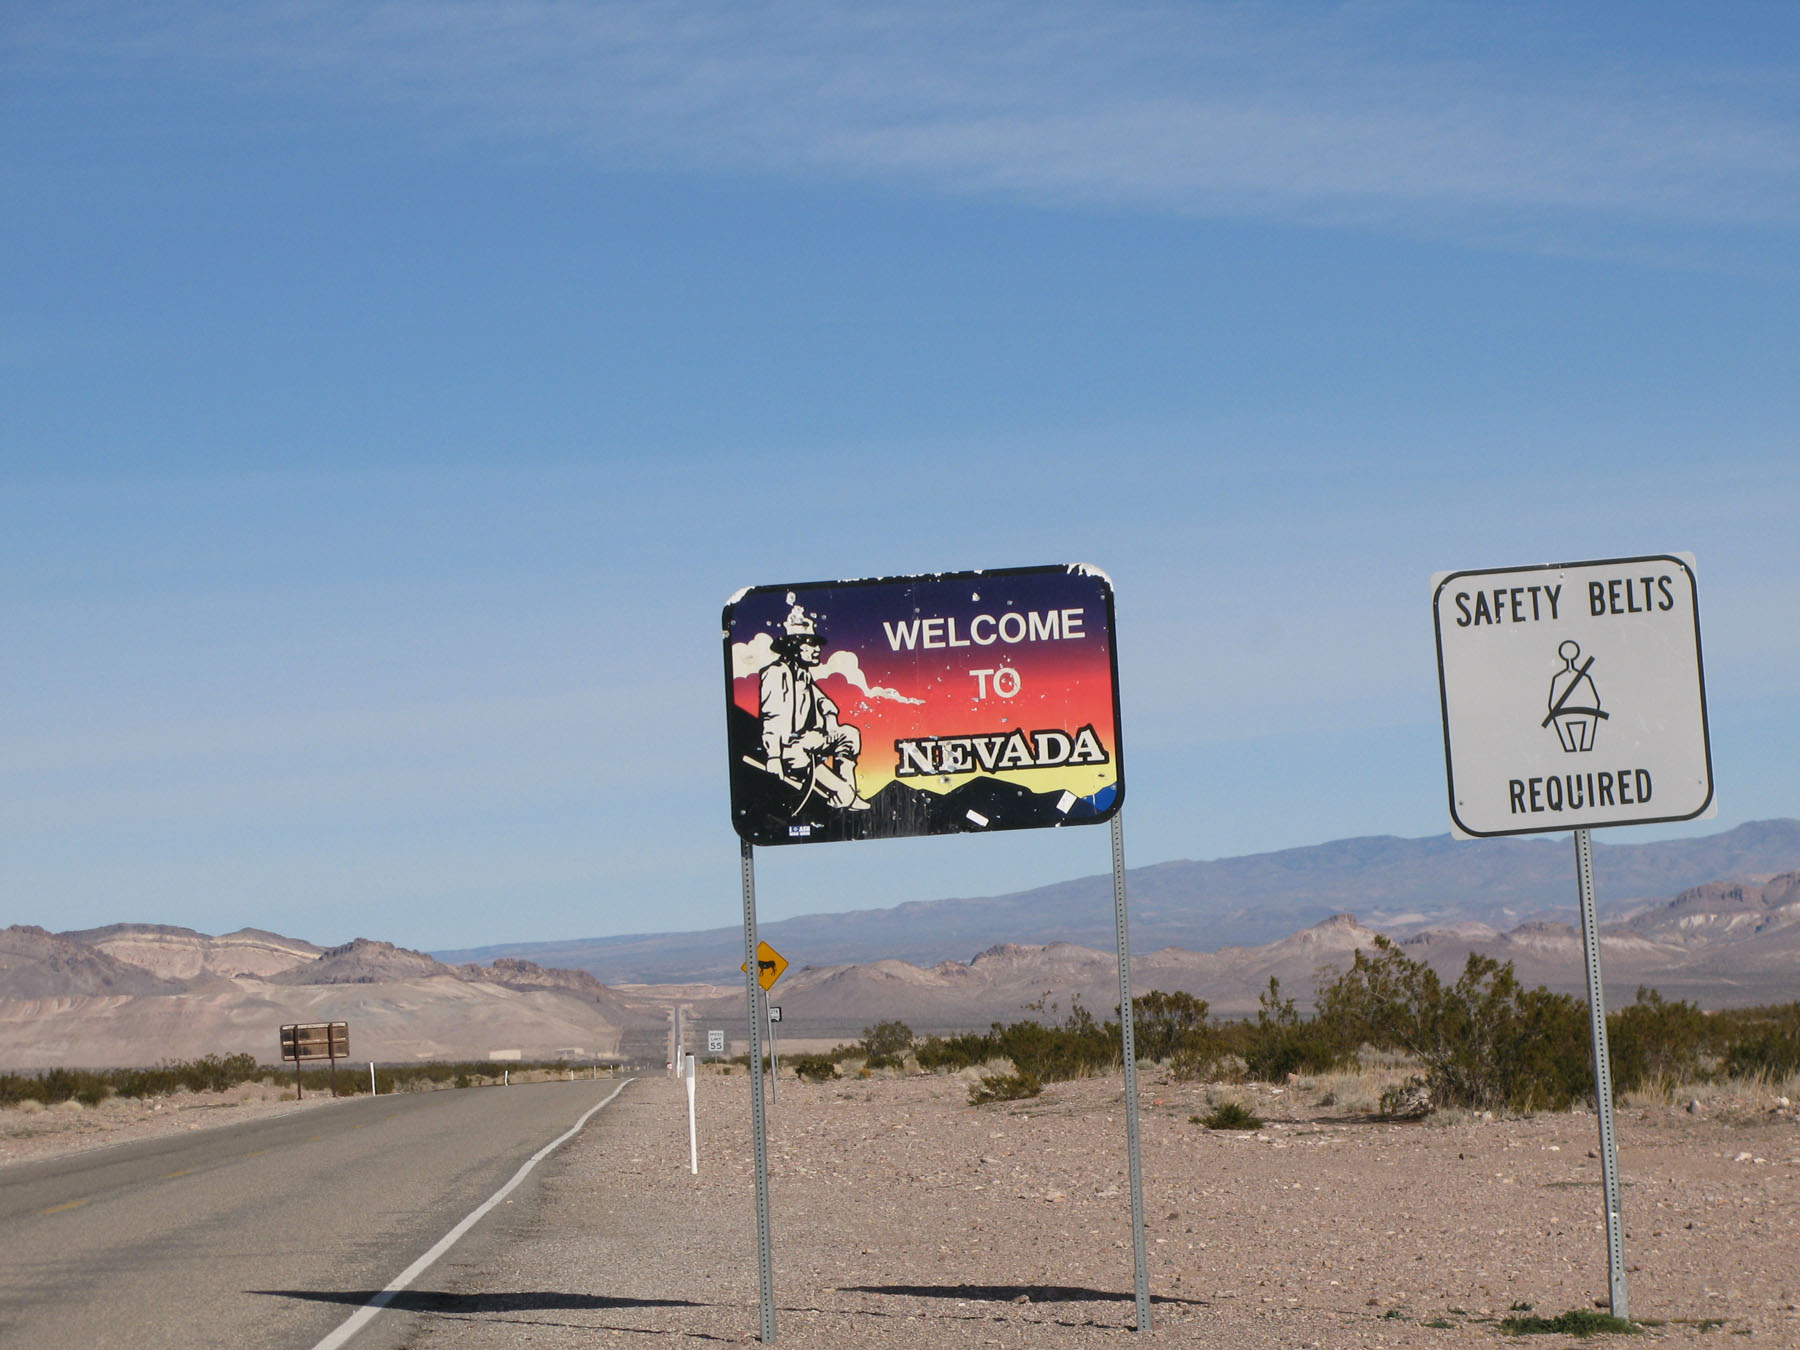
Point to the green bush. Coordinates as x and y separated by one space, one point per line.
1075 1048
16 1088
1656 1041
1200 1063
951 1053
1231 1116
82 1085
1580 1323
1773 1053
1168 1026
1004 1087
886 1044
220 1073
814 1068
1164 1025
1281 1042
1485 1042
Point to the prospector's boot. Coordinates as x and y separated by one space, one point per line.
847 770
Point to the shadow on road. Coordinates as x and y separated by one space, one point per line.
1011 1293
436 1301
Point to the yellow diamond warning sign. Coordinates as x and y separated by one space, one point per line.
769 966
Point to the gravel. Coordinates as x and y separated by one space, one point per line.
30 1130
903 1216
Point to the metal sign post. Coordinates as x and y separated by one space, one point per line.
885 708
1573 697
770 965
1140 1255
758 1114
328 1041
1603 1094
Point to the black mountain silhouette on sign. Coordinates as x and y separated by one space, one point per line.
766 810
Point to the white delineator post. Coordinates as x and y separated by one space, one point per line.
371 1078
693 1130
774 1064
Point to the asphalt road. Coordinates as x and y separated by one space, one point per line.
270 1233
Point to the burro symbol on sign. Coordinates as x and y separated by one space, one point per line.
1572 695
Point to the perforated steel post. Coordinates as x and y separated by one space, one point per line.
758 1117
1134 1166
1603 1094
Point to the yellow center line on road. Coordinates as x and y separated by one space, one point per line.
182 1173
67 1204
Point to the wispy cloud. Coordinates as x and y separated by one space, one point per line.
749 658
1482 120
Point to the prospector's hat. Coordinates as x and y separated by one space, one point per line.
799 624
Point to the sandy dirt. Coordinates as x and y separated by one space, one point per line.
904 1216
33 1131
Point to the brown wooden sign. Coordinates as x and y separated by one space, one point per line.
315 1040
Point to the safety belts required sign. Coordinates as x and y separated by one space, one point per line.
1573 696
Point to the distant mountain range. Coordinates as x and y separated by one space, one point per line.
1399 886
139 993
1723 944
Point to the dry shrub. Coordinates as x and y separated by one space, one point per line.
1357 1091
1005 1087
1231 1116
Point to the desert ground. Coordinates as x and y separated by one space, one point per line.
904 1216
31 1130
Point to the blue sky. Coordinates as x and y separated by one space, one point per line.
393 394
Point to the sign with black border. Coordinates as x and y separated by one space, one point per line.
1573 695
958 702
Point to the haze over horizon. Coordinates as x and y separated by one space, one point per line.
397 392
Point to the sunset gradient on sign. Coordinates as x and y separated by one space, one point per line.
1037 683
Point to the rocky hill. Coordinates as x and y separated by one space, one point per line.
363 961
36 964
140 993
183 954
1698 946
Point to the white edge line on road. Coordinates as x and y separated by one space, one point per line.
366 1314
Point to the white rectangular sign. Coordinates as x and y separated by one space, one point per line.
715 1042
1573 696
